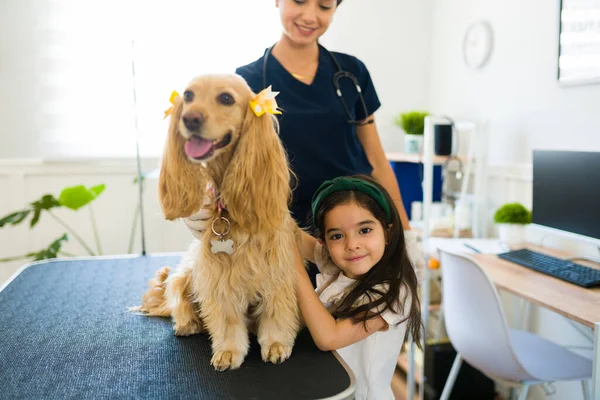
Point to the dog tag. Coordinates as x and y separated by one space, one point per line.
221 246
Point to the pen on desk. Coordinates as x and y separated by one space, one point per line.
472 248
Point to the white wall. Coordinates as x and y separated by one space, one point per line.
517 90
401 72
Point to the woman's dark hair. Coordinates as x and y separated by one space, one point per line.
393 271
339 2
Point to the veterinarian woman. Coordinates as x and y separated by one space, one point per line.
325 135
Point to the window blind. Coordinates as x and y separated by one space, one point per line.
86 53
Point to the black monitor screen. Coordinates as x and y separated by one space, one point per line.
566 191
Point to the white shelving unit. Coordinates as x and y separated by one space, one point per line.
414 158
474 163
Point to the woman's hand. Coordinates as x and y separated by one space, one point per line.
199 222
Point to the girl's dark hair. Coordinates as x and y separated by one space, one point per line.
393 271
339 2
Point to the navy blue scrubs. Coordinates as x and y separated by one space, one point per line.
319 141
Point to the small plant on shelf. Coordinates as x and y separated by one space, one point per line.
412 123
512 213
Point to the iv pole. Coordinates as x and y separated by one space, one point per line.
137 156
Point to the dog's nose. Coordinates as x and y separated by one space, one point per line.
193 120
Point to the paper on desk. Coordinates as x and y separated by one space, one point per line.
486 246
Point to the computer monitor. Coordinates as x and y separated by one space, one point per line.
566 192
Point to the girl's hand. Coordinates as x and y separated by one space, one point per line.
323 260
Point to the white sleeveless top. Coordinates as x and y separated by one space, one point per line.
373 360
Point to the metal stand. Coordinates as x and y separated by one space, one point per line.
140 177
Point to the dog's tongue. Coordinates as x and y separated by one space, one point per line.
197 147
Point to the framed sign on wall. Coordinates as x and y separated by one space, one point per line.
579 42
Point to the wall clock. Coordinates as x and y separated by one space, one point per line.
478 44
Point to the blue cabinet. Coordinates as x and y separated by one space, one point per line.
409 176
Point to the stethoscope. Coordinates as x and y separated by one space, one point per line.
340 74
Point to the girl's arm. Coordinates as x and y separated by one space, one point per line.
327 332
308 247
382 170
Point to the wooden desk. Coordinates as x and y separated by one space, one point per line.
65 333
569 300
572 301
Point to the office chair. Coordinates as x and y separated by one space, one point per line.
477 328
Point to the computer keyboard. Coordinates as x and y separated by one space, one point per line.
561 269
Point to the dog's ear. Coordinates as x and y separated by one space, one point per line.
256 185
181 184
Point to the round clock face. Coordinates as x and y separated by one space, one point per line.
477 44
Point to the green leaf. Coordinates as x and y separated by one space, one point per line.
36 217
37 256
55 246
50 252
14 218
46 202
78 196
12 259
97 190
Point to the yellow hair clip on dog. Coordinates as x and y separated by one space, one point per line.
174 97
265 102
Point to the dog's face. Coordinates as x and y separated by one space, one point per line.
213 124
213 108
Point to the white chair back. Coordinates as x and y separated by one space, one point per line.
474 319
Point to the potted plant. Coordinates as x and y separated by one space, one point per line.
73 198
511 219
412 123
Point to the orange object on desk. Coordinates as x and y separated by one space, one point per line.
434 263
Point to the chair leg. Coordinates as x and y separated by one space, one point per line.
438 331
585 386
523 391
451 377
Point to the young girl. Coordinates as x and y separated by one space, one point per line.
366 298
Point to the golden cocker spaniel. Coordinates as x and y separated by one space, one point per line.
240 275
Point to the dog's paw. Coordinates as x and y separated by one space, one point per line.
276 353
191 328
224 360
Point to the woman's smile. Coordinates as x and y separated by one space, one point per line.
304 30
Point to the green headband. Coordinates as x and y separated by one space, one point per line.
342 184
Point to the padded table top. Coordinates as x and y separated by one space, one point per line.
65 333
